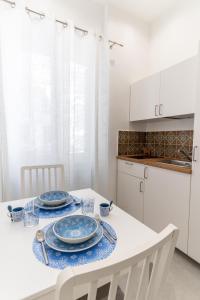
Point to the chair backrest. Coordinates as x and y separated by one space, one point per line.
154 259
39 179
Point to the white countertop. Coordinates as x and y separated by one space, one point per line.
22 276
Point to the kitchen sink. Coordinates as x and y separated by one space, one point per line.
180 163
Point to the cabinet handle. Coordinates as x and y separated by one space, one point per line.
141 187
194 155
156 111
146 173
160 109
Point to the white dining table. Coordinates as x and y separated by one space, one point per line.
22 276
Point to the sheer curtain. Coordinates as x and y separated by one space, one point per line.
51 83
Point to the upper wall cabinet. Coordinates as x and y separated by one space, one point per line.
144 102
169 93
178 89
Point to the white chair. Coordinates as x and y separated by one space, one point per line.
39 179
153 259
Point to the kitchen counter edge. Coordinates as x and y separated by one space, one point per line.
156 162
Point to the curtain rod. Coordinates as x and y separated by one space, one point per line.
65 24
80 29
13 4
113 43
28 10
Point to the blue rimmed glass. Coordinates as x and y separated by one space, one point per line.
31 215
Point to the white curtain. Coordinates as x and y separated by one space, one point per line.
51 79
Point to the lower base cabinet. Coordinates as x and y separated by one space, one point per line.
157 199
130 195
166 200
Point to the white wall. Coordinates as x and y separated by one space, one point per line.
170 124
175 35
127 64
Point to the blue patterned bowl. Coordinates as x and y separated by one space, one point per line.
75 229
53 198
54 243
40 205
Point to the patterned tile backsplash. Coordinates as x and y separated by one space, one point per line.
159 144
131 142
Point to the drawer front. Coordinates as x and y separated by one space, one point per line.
131 168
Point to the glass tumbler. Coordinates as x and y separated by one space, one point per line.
31 215
88 207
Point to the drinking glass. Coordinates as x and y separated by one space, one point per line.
88 206
31 215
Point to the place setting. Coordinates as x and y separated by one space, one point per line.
76 239
51 204
55 204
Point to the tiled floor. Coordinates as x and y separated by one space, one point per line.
183 282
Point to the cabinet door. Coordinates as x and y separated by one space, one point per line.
194 223
178 89
130 195
166 200
145 98
131 168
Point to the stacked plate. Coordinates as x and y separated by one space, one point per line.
73 234
53 200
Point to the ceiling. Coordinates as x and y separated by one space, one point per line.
147 10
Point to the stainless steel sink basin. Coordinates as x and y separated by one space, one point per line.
180 163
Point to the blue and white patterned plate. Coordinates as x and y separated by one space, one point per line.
75 229
39 204
53 242
61 260
53 198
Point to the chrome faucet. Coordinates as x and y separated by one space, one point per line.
188 155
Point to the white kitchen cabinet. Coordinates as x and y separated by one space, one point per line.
166 200
178 89
130 189
144 102
194 222
131 168
169 93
